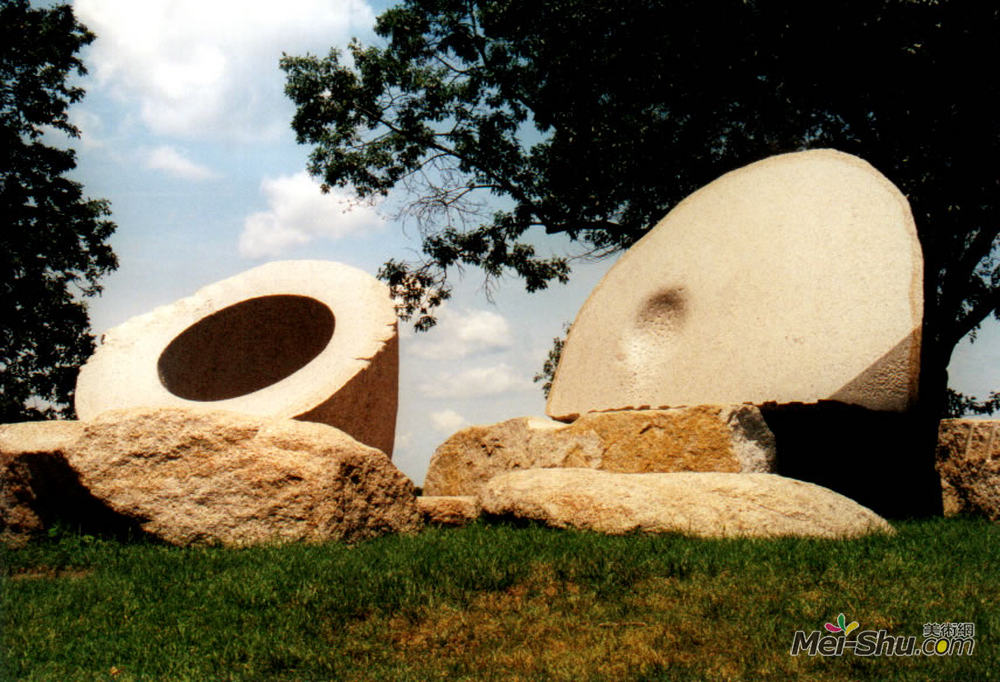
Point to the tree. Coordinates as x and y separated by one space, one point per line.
591 119
53 247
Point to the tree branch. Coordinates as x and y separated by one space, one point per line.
969 321
972 256
584 225
500 182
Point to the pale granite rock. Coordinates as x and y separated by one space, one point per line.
311 340
199 476
705 438
794 279
704 504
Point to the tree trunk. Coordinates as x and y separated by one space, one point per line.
928 412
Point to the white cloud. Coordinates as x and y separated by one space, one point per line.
89 125
298 212
447 421
477 381
172 162
460 333
197 68
403 441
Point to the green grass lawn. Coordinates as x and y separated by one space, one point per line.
495 602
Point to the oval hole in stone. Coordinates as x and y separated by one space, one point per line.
663 313
246 347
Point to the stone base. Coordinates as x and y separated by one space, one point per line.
445 510
701 504
731 438
198 476
968 462
39 490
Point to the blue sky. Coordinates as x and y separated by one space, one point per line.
185 129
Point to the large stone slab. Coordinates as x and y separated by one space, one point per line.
703 504
35 481
200 476
704 438
968 462
311 340
794 279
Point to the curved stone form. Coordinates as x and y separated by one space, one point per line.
312 340
794 279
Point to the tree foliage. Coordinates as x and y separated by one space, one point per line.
53 246
592 119
548 372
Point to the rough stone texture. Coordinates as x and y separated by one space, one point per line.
704 438
193 476
312 340
968 462
794 279
33 475
705 504
452 510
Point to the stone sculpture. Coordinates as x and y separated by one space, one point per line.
794 279
311 340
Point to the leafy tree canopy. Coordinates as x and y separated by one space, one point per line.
593 118
53 246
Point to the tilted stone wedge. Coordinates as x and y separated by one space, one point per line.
794 279
310 340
